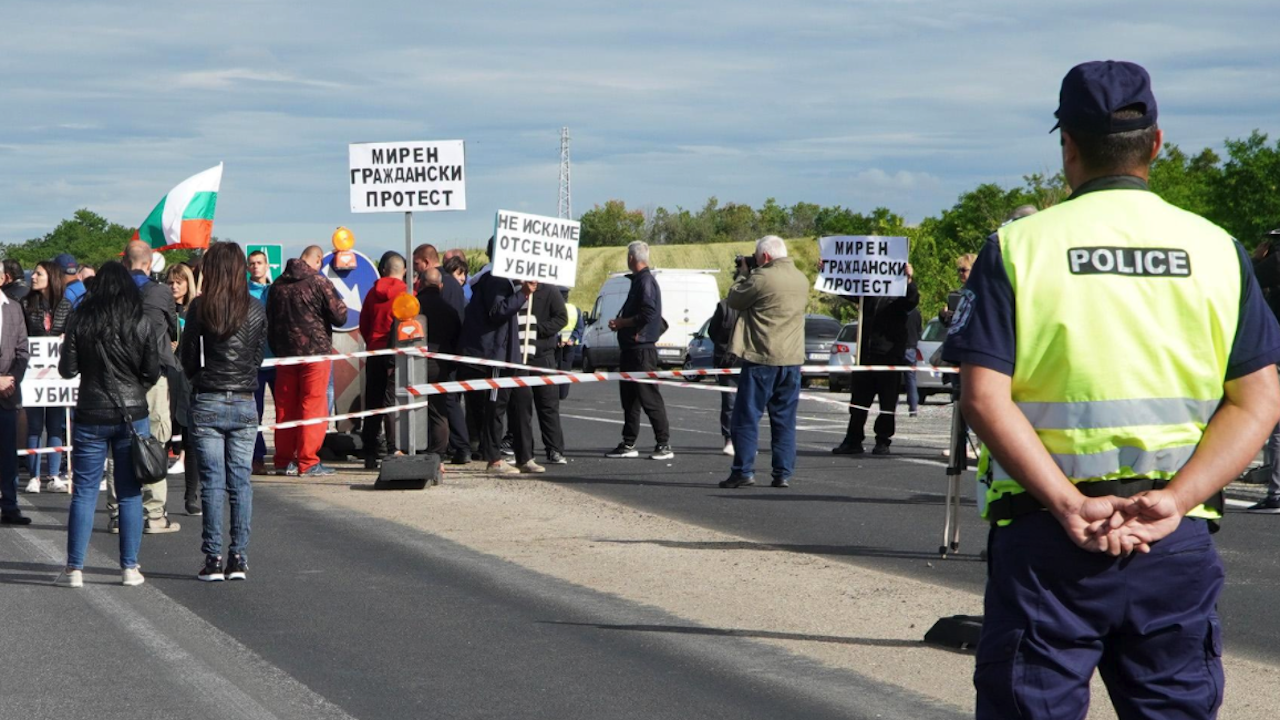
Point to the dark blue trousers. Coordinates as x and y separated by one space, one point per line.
1054 613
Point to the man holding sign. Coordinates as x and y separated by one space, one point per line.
876 272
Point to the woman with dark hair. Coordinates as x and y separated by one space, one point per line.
221 352
113 350
46 312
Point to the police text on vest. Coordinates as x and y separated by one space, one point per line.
1146 262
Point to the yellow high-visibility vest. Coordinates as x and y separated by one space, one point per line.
1126 309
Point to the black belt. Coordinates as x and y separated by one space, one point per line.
1008 507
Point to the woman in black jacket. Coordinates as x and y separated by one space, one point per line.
221 351
113 350
46 312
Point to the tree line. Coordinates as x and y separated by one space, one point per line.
1240 192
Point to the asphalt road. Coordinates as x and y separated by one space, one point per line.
882 512
347 616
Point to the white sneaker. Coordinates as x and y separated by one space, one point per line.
58 485
131 576
177 468
33 486
70 579
728 448
502 468
102 486
531 467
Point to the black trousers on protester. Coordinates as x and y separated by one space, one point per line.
379 392
546 401
637 396
492 407
564 361
437 413
866 386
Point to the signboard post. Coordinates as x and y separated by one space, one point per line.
275 257
407 176
862 265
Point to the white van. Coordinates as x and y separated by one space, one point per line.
689 299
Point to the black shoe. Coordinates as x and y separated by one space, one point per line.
237 568
662 452
735 481
194 509
113 525
1266 506
781 483
880 449
846 449
506 449
212 570
555 458
15 519
476 457
371 463
460 458
623 451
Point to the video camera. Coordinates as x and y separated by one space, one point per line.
748 260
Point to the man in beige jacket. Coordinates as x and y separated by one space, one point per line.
769 338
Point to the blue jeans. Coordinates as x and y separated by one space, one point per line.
41 421
90 444
9 462
224 426
761 387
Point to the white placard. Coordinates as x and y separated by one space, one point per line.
864 265
533 247
407 176
43 386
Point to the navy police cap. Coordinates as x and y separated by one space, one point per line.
1092 91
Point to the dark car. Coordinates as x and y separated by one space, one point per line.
699 354
820 332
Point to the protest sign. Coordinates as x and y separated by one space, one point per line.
532 247
862 265
407 176
43 386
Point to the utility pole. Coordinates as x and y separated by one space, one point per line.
566 199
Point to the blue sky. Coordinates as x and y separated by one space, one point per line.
904 104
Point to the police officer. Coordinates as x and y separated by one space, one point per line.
1107 448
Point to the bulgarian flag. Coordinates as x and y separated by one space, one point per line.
184 217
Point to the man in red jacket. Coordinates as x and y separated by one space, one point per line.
302 309
379 370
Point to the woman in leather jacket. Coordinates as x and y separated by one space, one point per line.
46 312
113 350
221 352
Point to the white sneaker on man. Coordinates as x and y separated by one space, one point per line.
728 448
57 485
33 486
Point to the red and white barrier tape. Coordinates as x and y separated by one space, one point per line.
44 451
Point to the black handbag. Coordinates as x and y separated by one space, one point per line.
150 458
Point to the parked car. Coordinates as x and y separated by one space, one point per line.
686 296
841 355
700 353
928 382
820 333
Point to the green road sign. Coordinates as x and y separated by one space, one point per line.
275 257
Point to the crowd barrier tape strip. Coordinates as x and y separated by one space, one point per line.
467 360
44 451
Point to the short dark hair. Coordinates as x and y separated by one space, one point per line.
257 252
454 264
13 268
1116 153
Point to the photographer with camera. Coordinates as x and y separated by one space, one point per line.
1266 266
769 339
